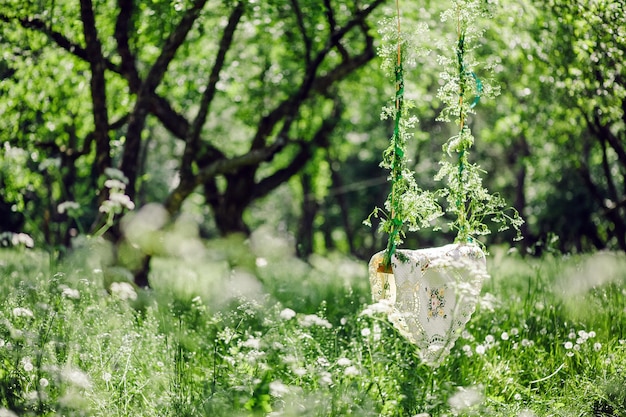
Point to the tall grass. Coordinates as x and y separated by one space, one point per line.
248 329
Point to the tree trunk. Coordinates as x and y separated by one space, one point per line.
229 206
304 241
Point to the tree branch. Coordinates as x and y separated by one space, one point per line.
307 148
289 108
193 136
308 46
123 27
98 87
144 97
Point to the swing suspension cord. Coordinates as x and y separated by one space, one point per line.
398 153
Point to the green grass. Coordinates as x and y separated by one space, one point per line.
248 329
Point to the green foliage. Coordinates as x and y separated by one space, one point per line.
257 330
461 89
407 204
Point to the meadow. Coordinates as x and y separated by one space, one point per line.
239 328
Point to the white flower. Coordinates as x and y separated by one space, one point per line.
326 378
116 174
287 314
504 336
314 320
344 362
70 293
597 346
467 349
366 332
28 366
480 349
67 206
22 239
76 377
261 262
591 334
278 389
465 398
121 200
568 345
322 361
123 291
22 312
490 339
514 331
252 343
43 382
351 371
114 184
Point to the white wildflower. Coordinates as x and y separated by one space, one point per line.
568 345
121 200
252 343
366 332
114 184
504 336
597 346
278 389
344 362
43 382
527 343
480 349
22 312
326 378
123 291
323 362
67 206
261 262
77 378
70 293
351 371
467 349
27 365
465 398
314 320
22 239
287 314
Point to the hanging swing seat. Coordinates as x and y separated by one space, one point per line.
432 292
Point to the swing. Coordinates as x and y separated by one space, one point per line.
432 292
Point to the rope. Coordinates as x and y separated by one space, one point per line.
398 153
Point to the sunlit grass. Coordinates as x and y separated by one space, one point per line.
248 329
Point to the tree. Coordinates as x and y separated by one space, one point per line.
245 93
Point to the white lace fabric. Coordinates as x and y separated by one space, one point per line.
433 293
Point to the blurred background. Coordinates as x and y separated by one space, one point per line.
225 117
